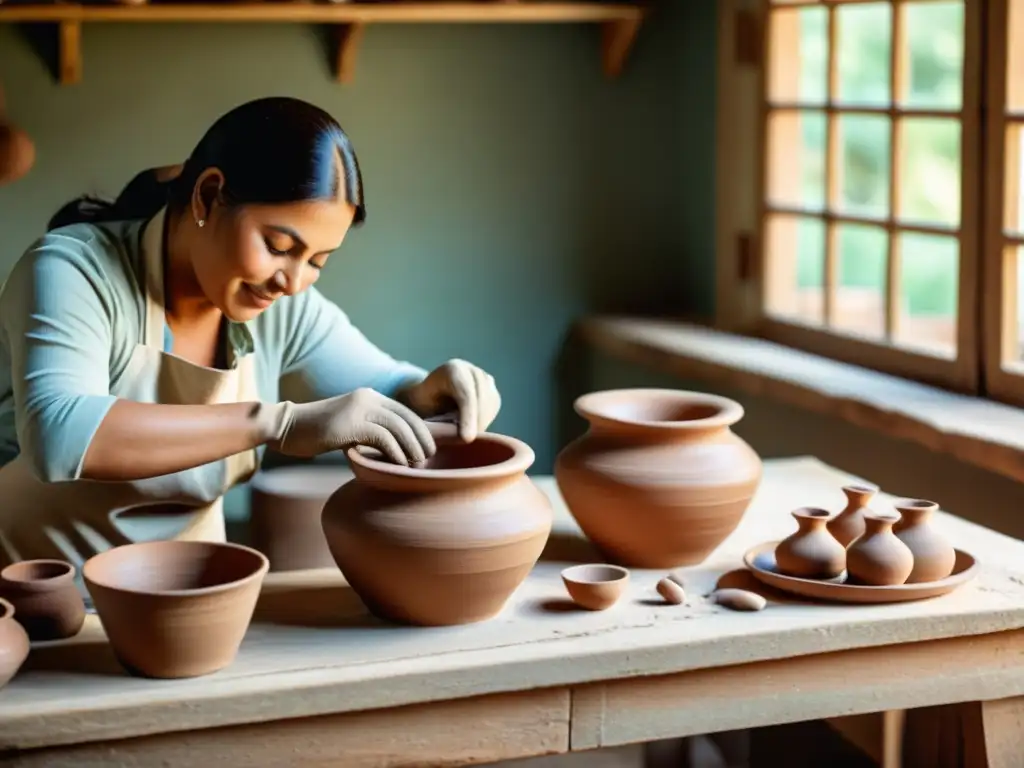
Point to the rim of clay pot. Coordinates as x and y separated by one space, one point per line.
861 488
611 573
902 504
96 561
43 572
618 407
882 517
811 513
521 459
6 609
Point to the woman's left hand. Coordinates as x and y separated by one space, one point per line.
469 389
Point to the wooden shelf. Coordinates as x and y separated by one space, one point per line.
620 22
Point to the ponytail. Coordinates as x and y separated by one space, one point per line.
143 196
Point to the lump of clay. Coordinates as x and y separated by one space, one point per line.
738 599
671 591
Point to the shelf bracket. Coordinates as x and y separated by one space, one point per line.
347 40
69 52
617 38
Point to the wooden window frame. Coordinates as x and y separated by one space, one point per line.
742 196
1003 381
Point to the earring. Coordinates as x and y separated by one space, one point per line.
201 222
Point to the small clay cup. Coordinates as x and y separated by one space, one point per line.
175 609
46 600
595 586
14 643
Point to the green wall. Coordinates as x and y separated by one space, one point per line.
511 187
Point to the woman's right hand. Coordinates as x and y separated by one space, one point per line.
363 417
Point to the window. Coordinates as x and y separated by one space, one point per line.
1003 269
868 238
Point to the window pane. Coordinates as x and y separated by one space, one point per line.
864 53
1016 308
1015 58
935 54
795 273
928 281
797 68
862 144
796 159
929 179
1013 162
859 306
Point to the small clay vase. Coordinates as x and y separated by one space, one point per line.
14 643
812 552
878 558
934 556
849 524
45 598
595 587
659 480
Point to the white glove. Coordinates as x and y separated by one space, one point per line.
363 417
462 386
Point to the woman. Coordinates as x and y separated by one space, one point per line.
152 348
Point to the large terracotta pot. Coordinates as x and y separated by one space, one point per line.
447 543
659 480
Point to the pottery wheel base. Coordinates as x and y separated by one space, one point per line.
761 562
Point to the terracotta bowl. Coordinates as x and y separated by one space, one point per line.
46 600
595 586
175 608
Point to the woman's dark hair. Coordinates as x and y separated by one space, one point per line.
271 150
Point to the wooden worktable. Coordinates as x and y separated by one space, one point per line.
317 677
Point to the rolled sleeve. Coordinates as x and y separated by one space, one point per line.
57 328
326 355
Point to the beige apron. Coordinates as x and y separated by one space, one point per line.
74 520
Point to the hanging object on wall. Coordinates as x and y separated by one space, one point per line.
17 152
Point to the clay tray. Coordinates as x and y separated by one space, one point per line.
761 562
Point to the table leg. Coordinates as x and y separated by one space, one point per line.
993 733
933 737
980 734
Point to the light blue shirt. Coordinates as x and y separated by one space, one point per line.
72 312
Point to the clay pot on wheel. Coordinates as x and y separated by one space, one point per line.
285 514
659 480
14 643
445 543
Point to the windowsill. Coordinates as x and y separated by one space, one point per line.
974 430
